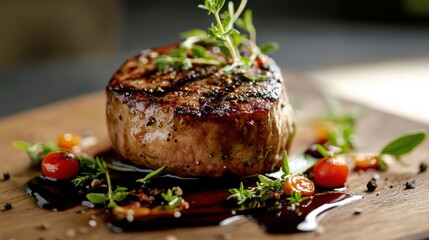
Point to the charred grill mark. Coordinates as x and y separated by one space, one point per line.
203 90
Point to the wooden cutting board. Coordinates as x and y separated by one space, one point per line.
391 212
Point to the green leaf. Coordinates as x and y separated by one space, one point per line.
119 196
100 165
382 165
152 175
120 189
285 164
194 33
267 181
38 151
269 47
404 144
96 197
112 204
21 145
322 150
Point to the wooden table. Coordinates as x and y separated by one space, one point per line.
391 212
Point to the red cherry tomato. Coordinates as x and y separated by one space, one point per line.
331 172
366 161
60 166
68 141
299 184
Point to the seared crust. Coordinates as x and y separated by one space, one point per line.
198 122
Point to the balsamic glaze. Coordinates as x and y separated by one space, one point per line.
207 205
53 195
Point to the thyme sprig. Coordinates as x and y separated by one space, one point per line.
173 200
112 196
223 35
296 198
266 189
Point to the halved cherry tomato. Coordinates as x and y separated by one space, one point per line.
60 166
331 172
298 184
68 141
366 161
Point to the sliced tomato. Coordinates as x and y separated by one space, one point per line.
299 184
366 161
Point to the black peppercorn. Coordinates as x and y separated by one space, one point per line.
8 206
371 185
6 176
422 167
409 185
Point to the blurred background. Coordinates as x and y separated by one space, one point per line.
53 50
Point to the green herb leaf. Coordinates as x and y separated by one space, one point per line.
194 33
173 201
296 198
21 145
119 196
112 204
120 189
37 151
322 150
100 165
240 194
96 198
404 144
285 164
152 175
269 47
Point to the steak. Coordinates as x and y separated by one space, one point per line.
201 121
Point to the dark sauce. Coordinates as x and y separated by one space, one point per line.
207 204
53 195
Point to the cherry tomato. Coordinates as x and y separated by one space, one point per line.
68 141
331 172
366 161
299 184
60 166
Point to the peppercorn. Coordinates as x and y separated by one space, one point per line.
371 185
422 167
6 176
409 185
8 206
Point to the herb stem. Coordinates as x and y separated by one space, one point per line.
196 61
109 186
237 14
234 54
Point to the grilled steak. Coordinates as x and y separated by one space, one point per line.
201 121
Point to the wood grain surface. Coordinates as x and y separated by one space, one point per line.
391 212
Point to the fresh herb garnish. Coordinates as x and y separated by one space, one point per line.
266 189
296 198
340 127
404 144
152 175
173 201
223 35
401 146
36 152
241 194
111 196
323 151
